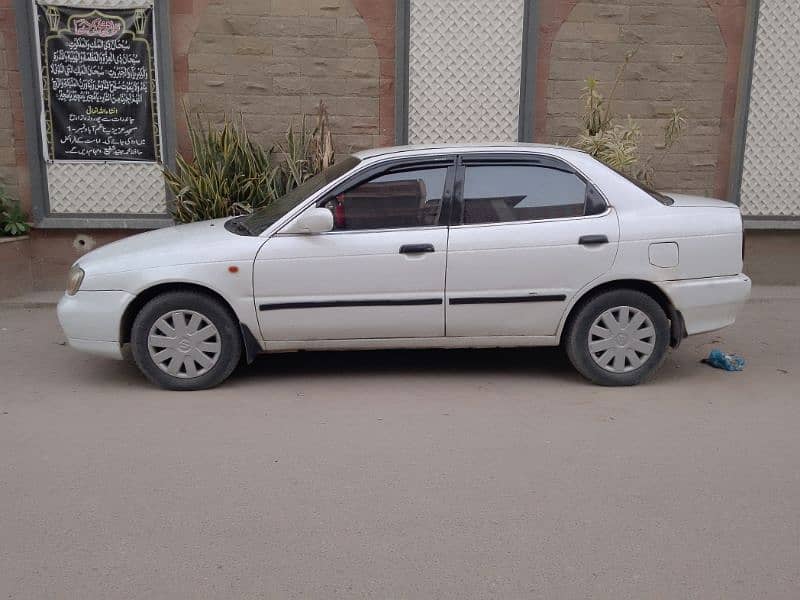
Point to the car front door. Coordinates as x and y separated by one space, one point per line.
378 274
527 234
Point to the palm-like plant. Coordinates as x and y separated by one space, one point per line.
306 154
619 145
229 174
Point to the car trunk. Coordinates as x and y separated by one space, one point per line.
684 200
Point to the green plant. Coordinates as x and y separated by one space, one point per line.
618 145
229 174
306 154
12 219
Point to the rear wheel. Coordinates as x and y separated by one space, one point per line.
618 337
185 341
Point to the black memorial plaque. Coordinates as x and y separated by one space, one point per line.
98 79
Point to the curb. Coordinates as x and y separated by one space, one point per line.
28 305
35 300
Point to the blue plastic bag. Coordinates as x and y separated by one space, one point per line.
721 360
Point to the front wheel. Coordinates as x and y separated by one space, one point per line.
618 338
185 341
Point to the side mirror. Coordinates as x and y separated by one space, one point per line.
314 220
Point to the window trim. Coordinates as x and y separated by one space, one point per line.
605 213
384 168
385 229
516 159
453 189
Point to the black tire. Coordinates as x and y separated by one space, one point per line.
577 338
228 338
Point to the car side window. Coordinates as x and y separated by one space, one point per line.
400 198
505 193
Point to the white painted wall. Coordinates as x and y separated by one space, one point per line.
771 173
464 70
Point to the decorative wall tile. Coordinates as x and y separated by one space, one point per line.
106 188
464 70
771 174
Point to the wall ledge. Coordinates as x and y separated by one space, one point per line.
105 222
6 239
776 223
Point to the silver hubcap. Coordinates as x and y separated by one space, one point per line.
184 344
622 339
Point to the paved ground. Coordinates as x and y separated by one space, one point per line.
403 474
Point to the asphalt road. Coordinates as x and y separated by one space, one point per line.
482 474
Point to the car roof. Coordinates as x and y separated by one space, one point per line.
424 149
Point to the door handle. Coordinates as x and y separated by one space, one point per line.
592 240
416 248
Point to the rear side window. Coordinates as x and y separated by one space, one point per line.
407 198
663 198
504 193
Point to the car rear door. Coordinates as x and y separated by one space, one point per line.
527 233
380 272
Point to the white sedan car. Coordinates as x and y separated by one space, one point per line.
422 247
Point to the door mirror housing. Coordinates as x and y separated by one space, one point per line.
314 220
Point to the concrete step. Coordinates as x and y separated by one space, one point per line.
33 300
763 293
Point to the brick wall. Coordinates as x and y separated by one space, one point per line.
379 15
52 251
731 16
8 176
15 267
12 146
682 61
273 62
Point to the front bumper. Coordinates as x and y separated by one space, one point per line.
91 321
710 303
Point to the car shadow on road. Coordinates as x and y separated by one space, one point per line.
534 363
506 361
514 362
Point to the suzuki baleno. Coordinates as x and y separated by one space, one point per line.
421 247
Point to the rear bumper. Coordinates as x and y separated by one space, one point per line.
91 321
710 303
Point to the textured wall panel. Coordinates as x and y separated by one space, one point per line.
464 70
106 188
771 174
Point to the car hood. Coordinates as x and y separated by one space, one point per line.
699 201
202 242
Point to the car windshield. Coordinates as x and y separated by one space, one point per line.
266 216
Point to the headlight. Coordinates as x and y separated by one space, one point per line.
74 280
